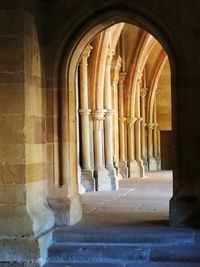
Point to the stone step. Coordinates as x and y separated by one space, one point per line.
82 265
128 238
134 264
118 253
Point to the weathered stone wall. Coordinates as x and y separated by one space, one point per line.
23 153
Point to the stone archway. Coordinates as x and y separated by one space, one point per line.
65 72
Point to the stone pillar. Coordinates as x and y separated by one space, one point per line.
115 68
143 93
158 152
122 157
138 131
138 146
152 162
155 135
132 163
109 122
86 173
155 144
103 180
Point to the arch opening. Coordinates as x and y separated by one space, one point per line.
124 106
99 114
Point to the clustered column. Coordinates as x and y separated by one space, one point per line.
152 163
143 93
122 146
115 69
103 181
138 130
155 136
109 122
87 179
132 163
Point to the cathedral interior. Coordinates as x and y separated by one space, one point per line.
99 133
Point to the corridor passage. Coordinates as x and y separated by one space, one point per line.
139 200
127 228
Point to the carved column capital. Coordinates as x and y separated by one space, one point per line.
116 62
157 91
84 111
122 119
109 58
109 112
139 119
143 92
131 121
122 77
85 55
98 114
139 79
155 125
150 126
115 68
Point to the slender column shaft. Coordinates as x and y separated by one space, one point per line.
122 157
137 125
143 93
155 133
98 117
85 138
131 139
155 140
121 118
84 111
150 140
115 68
109 138
109 113
158 136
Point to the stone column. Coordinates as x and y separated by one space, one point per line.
138 146
132 163
103 180
152 162
115 68
143 93
158 152
138 131
155 135
109 122
86 173
122 157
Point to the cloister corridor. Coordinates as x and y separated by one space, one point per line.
99 133
139 201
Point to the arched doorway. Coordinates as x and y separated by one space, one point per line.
121 116
72 54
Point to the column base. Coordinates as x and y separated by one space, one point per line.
123 169
24 251
87 180
102 180
184 208
159 164
136 169
141 168
145 163
152 164
114 179
133 169
26 217
67 210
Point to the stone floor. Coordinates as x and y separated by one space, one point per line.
127 228
138 201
